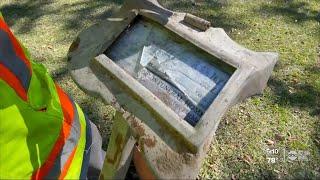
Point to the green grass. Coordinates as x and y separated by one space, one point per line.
287 114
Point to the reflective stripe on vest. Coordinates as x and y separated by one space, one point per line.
68 119
17 46
12 81
86 152
10 60
67 152
13 58
77 161
62 153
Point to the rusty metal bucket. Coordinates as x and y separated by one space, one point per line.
171 77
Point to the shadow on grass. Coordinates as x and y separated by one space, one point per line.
305 95
297 12
31 11
212 11
316 112
85 10
302 95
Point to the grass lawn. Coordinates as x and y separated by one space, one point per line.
286 116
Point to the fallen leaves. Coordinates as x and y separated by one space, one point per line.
247 159
279 137
317 141
291 90
290 139
50 47
270 142
233 177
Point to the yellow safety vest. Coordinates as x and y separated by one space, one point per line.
43 133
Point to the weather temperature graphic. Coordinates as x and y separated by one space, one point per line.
275 155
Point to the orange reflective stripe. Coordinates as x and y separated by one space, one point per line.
61 165
68 115
11 61
67 107
17 47
67 164
12 81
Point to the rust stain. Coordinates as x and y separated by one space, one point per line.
138 127
150 142
119 145
141 165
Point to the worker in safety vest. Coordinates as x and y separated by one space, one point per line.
43 133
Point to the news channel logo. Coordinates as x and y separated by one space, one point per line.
298 155
275 155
